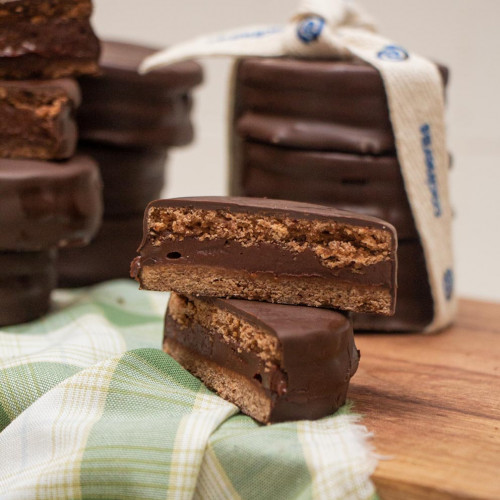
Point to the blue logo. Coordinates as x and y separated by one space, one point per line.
310 29
448 284
430 165
393 53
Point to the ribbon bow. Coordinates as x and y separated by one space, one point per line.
319 29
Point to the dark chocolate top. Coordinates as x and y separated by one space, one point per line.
47 204
322 105
123 108
287 322
126 57
314 75
43 10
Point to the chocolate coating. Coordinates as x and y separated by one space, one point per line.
320 105
124 108
37 118
132 177
318 355
264 258
26 281
48 204
107 257
46 39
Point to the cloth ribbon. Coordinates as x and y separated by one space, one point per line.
340 29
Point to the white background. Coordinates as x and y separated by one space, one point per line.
463 34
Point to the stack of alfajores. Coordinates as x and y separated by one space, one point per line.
259 286
319 132
49 198
127 121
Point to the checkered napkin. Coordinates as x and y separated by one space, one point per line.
89 408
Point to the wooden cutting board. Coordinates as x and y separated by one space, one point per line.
433 404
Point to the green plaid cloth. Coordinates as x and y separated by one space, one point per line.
90 408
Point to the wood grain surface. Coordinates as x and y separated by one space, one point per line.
433 404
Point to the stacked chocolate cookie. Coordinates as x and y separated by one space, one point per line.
49 199
281 352
319 131
127 123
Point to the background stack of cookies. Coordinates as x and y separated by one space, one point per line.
49 198
127 122
319 132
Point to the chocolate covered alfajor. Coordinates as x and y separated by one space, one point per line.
127 123
276 362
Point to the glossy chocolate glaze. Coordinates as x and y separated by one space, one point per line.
124 108
107 257
47 204
371 185
125 58
318 355
132 177
320 105
26 281
30 127
263 257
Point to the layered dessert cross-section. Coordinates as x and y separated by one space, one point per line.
268 250
37 118
276 362
47 39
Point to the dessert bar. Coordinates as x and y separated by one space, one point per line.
268 250
276 362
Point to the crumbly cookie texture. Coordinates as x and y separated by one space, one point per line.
234 330
337 245
44 115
